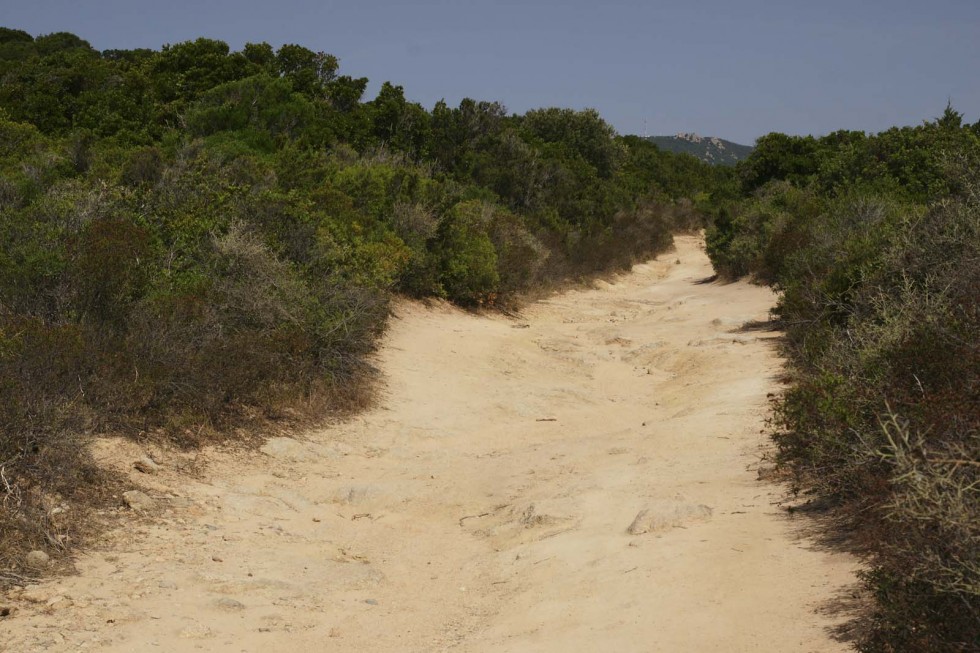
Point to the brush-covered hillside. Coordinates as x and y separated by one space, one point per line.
196 239
710 149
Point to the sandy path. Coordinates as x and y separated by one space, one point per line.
486 504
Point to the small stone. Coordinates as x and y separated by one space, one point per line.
58 602
371 601
665 515
197 631
167 585
36 594
139 501
146 465
229 604
38 559
287 449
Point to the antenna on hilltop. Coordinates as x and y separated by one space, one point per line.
646 134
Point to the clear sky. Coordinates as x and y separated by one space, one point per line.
731 68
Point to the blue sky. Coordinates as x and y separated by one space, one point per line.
731 68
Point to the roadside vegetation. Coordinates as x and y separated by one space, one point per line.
873 242
196 239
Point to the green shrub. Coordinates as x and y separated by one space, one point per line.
466 255
110 267
758 236
142 166
520 256
417 225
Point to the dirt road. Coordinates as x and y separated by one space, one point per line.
581 479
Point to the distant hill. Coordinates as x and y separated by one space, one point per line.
707 148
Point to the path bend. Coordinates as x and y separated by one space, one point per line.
580 479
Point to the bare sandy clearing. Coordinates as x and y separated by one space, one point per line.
578 480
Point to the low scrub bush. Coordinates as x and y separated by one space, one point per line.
880 299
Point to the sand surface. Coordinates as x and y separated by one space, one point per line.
581 478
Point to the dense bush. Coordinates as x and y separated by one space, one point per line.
467 257
880 278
